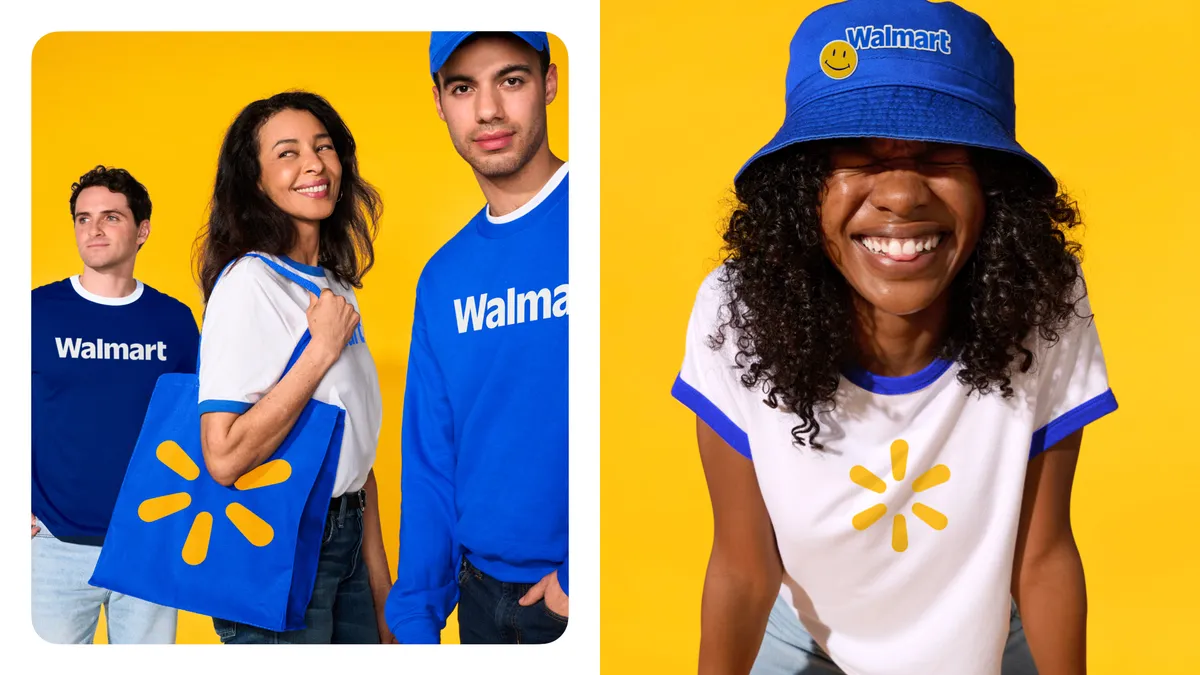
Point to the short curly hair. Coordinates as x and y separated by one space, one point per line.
116 180
789 308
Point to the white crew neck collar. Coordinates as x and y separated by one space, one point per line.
532 204
101 300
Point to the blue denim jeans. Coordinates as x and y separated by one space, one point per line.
488 612
66 609
342 610
787 649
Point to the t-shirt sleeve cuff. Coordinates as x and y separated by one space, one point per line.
218 405
1071 421
712 415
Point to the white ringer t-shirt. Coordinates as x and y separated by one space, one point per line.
897 539
252 322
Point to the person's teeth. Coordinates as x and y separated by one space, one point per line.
901 247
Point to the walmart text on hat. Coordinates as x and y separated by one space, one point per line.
870 37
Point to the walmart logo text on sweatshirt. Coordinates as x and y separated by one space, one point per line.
78 348
480 312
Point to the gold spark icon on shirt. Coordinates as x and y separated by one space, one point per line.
931 478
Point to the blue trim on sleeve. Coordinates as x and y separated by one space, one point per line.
240 407
712 416
1071 421
892 386
301 267
219 405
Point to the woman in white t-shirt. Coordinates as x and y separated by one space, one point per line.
295 218
892 369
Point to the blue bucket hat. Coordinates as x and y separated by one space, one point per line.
906 69
442 45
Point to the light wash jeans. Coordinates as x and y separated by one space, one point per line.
787 649
66 609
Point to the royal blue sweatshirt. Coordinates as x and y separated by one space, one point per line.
95 363
484 438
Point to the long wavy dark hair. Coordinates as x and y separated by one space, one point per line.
242 218
790 310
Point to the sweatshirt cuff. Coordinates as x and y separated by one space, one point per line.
564 576
416 632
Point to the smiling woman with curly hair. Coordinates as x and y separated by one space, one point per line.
900 343
794 313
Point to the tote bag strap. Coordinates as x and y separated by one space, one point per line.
287 274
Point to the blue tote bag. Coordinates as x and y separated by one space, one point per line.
246 553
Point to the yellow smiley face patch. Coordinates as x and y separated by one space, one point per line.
838 59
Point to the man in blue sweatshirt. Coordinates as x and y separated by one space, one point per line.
101 339
483 521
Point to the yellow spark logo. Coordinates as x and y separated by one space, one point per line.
195 548
931 478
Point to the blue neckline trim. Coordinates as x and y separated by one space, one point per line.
535 216
893 386
301 267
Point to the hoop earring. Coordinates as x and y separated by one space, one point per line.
339 197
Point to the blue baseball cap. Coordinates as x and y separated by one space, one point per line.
906 69
442 45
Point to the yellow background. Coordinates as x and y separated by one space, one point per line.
1105 97
158 104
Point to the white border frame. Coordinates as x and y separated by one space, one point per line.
577 24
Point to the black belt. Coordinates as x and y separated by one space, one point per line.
353 500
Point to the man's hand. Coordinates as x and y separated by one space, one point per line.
548 588
33 528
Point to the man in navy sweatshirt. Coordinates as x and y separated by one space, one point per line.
483 521
101 339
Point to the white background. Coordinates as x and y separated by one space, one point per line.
577 23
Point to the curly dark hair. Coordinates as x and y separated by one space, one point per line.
116 180
242 218
790 310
